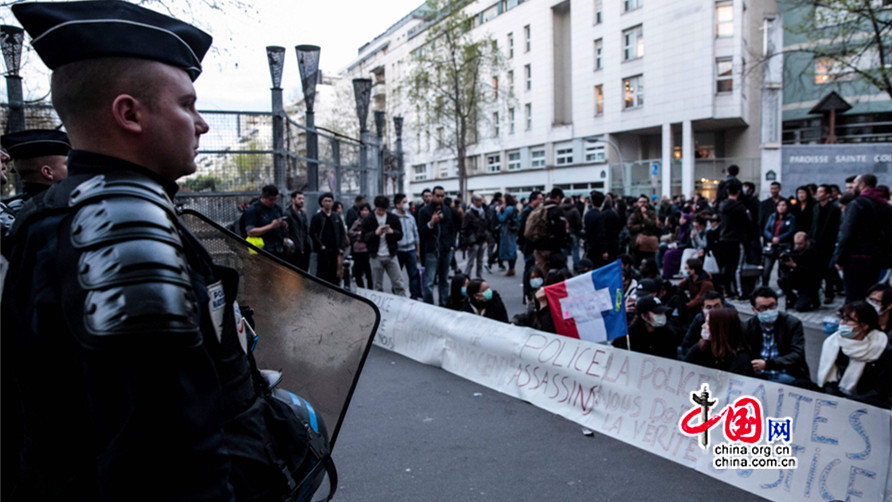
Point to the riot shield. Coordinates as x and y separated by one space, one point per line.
318 335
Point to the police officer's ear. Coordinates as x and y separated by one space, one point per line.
46 172
129 113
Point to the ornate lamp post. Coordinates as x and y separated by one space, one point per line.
11 39
275 56
362 92
308 63
398 130
380 122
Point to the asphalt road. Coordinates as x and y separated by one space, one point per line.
418 433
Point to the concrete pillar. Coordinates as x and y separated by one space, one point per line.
687 158
666 161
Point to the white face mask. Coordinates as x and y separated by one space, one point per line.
406 207
659 320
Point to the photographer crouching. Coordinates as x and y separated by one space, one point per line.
799 277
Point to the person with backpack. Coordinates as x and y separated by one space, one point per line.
526 247
494 232
547 229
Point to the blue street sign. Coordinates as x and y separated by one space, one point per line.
654 169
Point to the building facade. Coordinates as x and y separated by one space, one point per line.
629 96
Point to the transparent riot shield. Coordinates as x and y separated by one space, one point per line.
318 335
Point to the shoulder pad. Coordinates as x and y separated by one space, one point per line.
125 209
132 262
147 308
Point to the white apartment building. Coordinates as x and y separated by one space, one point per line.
673 85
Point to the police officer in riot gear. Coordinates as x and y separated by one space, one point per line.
122 361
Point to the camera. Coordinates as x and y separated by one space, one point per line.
785 257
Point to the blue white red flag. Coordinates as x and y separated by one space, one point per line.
590 306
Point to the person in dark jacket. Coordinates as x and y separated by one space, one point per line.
526 248
731 180
805 208
574 222
353 213
299 232
863 245
827 230
437 229
778 234
643 222
359 252
721 344
856 361
799 275
381 232
648 332
458 292
595 232
775 339
711 300
768 206
484 301
733 235
473 235
696 283
329 238
265 219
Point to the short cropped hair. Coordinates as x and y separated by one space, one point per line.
269 191
762 292
397 198
326 195
381 201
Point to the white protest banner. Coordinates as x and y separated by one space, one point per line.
841 447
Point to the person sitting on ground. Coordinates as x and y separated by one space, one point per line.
648 333
879 296
856 361
776 339
458 292
696 283
721 344
711 300
535 281
484 301
585 266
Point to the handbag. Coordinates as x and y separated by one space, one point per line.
710 264
647 243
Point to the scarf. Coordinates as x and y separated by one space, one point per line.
875 194
860 352
479 210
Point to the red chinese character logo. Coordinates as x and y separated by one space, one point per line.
743 420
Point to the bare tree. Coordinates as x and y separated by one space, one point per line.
448 85
845 39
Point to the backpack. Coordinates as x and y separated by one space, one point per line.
237 226
536 227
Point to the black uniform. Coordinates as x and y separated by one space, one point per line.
120 338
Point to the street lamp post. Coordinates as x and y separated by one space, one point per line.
398 130
11 39
379 132
622 165
275 57
308 63
362 92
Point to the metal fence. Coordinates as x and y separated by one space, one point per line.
237 158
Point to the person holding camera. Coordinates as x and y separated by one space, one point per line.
778 233
798 279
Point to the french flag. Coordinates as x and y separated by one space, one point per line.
590 306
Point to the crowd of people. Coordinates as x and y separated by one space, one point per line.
682 261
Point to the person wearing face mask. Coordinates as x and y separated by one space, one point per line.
648 332
721 344
856 361
483 301
879 296
408 250
776 340
711 300
458 292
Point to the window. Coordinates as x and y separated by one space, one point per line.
563 156
510 120
513 161
599 100
595 152
537 157
471 164
443 168
599 48
633 43
495 87
495 124
510 83
528 111
724 75
829 70
440 138
510 45
633 92
528 74
599 11
724 19
493 163
420 172
631 4
526 38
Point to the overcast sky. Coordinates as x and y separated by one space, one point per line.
236 74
